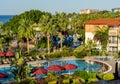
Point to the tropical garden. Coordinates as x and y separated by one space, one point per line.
39 29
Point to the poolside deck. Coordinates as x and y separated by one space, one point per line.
37 62
110 62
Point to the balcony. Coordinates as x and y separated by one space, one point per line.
113 32
112 42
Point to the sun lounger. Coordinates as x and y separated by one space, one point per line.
30 58
38 58
8 61
4 61
44 57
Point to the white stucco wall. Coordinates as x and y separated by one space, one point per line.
89 35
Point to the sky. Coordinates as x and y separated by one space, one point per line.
13 7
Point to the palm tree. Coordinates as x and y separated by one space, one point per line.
7 33
101 35
74 22
89 45
22 69
47 28
2 39
25 30
62 24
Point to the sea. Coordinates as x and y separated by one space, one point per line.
5 18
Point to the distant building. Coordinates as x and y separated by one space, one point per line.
88 11
116 10
113 44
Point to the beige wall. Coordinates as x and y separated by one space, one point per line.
93 28
90 32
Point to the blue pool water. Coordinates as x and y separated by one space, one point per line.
6 71
81 65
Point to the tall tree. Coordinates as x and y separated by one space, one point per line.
74 22
89 45
25 30
2 39
22 69
101 35
62 24
47 27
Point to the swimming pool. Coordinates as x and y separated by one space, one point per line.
81 65
10 76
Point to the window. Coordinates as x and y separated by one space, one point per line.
113 49
113 39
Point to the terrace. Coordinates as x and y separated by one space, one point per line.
41 63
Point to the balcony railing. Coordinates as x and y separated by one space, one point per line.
113 42
113 32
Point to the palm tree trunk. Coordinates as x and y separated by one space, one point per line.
48 42
75 28
28 47
61 42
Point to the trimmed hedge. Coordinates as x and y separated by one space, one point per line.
91 80
82 74
52 82
108 77
27 81
66 81
76 81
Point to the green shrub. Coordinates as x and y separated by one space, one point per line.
54 55
117 55
82 80
66 81
51 77
103 53
100 75
79 54
58 54
92 75
70 32
28 81
94 52
91 80
82 74
66 53
108 77
52 82
65 76
76 81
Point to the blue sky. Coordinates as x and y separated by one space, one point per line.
8 7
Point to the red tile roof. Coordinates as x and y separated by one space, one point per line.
105 21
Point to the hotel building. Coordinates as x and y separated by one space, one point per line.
88 11
113 44
116 10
